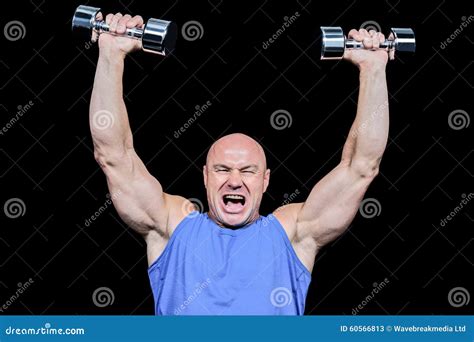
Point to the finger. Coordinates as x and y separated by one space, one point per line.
364 33
381 37
136 21
368 43
375 43
108 18
375 39
121 25
114 22
95 35
354 34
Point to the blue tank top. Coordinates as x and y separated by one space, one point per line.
208 270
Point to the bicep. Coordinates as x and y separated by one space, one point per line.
332 204
137 196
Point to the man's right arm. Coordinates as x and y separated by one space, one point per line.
137 196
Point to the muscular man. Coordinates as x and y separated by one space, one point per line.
231 260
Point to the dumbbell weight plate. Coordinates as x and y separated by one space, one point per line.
404 37
159 36
83 19
332 42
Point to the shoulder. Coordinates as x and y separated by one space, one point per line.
178 208
298 233
287 215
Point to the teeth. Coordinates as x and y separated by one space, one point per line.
234 196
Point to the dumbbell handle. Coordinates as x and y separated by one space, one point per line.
101 26
400 39
354 44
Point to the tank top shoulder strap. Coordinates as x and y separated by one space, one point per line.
194 218
277 229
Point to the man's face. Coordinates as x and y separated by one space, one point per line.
235 176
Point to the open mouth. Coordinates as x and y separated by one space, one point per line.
233 202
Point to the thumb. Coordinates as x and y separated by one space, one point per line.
95 35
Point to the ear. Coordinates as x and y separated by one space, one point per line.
204 172
266 179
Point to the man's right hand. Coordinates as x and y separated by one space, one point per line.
115 45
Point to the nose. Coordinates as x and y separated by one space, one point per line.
235 180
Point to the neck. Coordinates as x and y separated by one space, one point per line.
225 225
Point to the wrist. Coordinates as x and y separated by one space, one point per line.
111 56
108 48
371 70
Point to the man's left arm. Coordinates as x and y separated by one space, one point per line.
335 199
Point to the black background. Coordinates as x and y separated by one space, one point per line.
47 160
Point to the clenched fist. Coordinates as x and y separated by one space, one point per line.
368 56
114 44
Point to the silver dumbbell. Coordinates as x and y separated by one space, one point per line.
334 42
158 36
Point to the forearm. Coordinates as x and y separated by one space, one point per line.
368 136
108 117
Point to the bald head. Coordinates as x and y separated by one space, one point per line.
235 176
237 144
